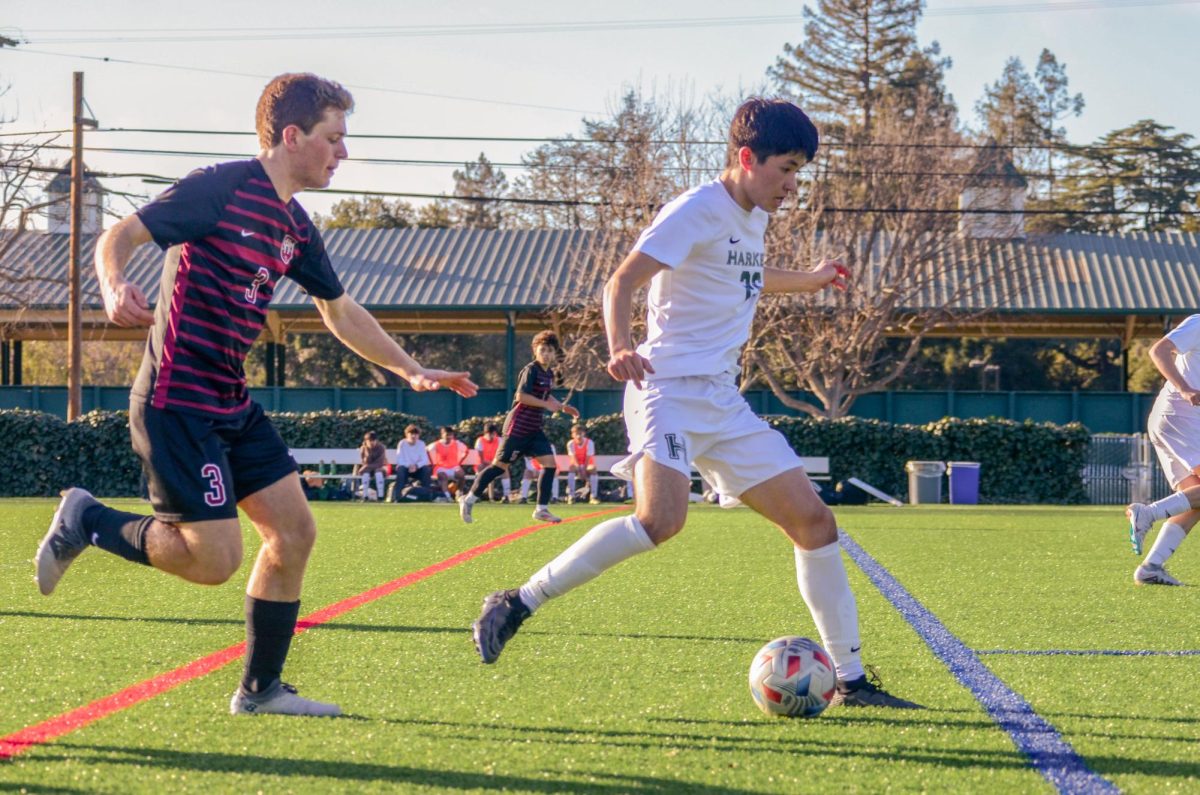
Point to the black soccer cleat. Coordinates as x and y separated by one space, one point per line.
864 692
503 613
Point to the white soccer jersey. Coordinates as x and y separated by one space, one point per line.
700 308
1186 337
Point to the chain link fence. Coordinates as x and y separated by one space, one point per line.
1122 468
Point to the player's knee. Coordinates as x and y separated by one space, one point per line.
216 569
662 525
815 524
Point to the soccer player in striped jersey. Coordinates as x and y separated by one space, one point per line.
231 232
523 434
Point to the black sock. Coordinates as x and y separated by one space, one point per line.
118 532
269 630
546 485
485 479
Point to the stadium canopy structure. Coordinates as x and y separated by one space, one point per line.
511 281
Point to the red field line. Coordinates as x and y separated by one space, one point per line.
23 740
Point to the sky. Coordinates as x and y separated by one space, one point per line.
518 69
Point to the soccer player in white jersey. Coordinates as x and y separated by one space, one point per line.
703 260
1174 428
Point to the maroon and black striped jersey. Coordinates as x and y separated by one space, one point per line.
523 420
228 239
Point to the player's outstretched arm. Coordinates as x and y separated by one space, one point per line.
828 273
124 302
361 333
624 363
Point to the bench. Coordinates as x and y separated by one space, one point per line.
323 457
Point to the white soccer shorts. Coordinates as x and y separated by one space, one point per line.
703 422
1174 429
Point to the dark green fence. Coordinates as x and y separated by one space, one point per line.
1101 412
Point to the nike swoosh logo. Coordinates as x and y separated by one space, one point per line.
734 241
855 649
246 233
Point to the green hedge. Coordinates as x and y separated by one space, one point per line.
1022 462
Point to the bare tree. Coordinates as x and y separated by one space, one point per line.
888 208
611 183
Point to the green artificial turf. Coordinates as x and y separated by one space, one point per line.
634 683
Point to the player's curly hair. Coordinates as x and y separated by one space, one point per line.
300 99
771 127
546 338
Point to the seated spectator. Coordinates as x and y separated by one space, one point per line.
533 469
412 462
448 455
581 455
488 445
373 456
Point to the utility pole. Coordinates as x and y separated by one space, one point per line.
74 315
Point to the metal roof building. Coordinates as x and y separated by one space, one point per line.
489 281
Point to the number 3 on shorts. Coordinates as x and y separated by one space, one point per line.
216 486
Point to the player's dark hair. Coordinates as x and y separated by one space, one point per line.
771 127
546 338
300 99
491 427
446 428
369 436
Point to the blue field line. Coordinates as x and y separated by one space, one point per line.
1048 753
1092 652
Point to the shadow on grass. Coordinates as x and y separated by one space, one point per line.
775 744
343 771
41 789
332 625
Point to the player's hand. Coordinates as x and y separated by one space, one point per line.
832 273
629 365
1192 396
430 380
126 305
571 410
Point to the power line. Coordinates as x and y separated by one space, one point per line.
825 145
227 73
205 35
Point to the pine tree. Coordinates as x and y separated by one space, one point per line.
1143 177
854 52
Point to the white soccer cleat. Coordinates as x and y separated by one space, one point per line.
544 515
1140 522
464 507
1151 574
64 540
280 699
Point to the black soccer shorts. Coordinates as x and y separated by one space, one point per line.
198 468
534 445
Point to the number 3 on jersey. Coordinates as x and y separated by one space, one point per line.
216 485
752 281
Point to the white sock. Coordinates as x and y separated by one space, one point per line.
571 483
598 550
594 482
507 484
470 499
826 590
1172 505
524 489
1169 538
379 484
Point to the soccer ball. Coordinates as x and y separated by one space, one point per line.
792 677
